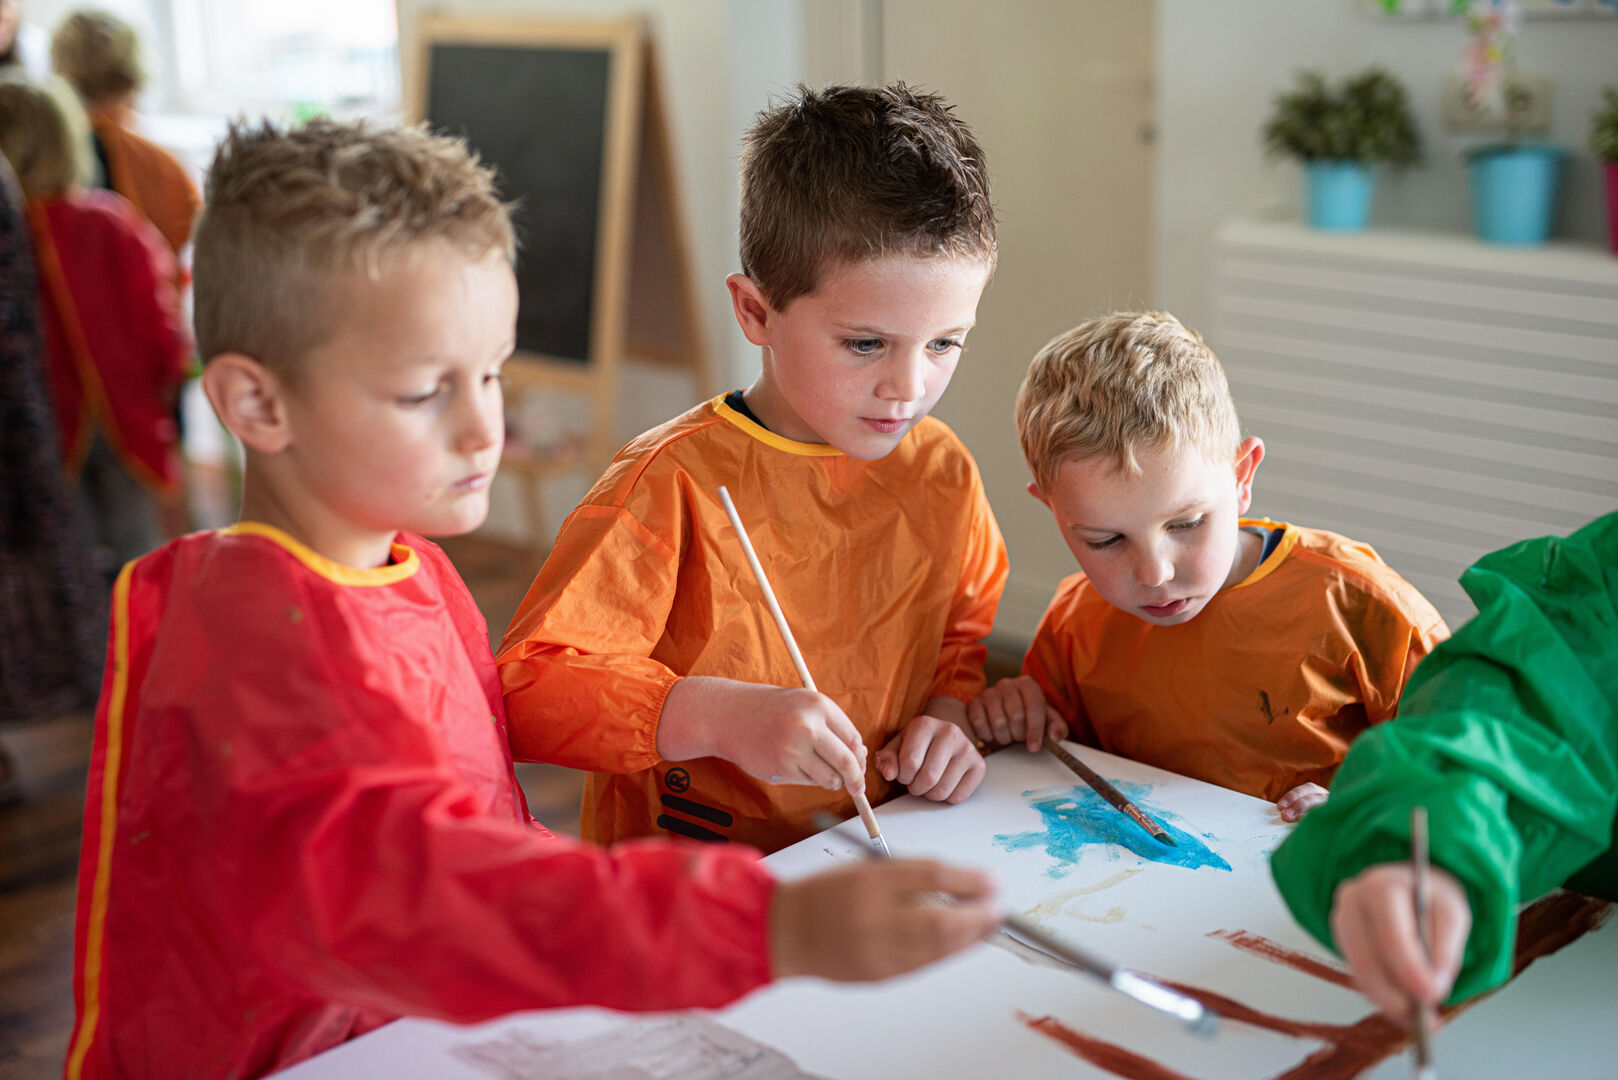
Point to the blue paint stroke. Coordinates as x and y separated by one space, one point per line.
1077 817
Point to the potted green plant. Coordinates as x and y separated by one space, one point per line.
1604 141
1514 182
1342 134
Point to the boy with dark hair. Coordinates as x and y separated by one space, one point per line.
644 652
301 819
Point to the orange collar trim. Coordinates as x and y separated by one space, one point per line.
404 565
1289 540
770 438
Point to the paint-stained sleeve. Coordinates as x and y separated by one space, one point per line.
1051 660
1507 734
978 587
581 687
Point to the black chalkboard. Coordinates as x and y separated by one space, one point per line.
539 115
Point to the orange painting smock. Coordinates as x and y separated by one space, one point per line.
1264 689
889 573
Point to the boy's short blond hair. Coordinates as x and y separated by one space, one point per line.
38 139
289 212
99 54
1125 383
849 173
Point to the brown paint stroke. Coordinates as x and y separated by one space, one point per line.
1263 947
1545 927
1103 1055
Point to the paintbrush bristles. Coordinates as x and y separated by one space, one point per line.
1107 791
861 803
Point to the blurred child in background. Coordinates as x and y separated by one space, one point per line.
113 334
99 54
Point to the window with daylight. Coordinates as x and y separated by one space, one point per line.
286 57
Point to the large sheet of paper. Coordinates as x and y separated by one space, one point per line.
1203 915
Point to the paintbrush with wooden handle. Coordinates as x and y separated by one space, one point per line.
1107 791
861 803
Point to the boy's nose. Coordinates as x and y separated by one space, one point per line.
1153 569
905 379
482 421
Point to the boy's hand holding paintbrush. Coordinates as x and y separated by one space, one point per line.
1374 926
877 918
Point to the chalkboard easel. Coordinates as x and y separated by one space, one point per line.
571 115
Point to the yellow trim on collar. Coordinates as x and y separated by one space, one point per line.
1289 540
770 438
404 565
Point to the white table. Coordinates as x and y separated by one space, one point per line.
988 1012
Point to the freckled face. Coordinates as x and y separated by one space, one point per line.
1159 545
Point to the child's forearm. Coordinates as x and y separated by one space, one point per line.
694 708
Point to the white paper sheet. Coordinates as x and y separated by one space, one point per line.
1205 915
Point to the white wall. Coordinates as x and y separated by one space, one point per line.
1220 64
1059 94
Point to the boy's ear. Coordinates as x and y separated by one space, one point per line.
248 398
753 311
1248 455
1034 490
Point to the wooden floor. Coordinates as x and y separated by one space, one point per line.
39 838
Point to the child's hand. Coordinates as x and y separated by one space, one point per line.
782 735
1373 921
933 758
873 920
1014 710
1300 800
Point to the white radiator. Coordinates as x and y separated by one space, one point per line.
1432 396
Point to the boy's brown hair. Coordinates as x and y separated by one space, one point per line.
99 54
290 212
38 139
1115 386
854 172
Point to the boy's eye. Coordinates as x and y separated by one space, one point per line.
413 400
1102 545
1183 526
863 346
944 345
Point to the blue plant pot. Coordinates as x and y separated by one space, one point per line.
1514 192
1339 194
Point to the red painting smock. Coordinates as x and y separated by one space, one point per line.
889 573
1265 688
302 822
114 335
